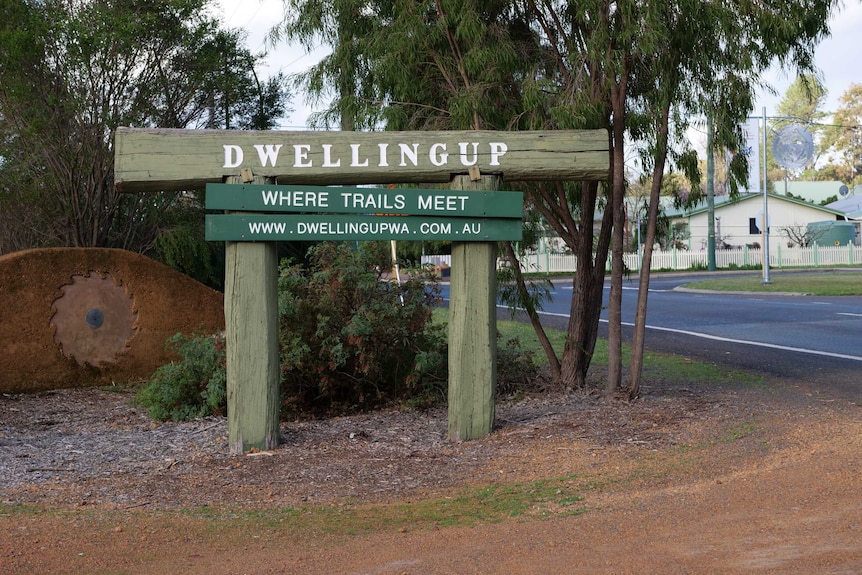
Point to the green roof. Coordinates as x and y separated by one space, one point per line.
721 201
814 192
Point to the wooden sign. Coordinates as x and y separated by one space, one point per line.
174 160
345 200
178 160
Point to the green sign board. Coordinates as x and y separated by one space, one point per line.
246 227
345 200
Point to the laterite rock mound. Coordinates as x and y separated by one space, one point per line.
73 317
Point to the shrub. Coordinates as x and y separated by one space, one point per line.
194 386
350 341
516 368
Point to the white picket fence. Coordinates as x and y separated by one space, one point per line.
779 257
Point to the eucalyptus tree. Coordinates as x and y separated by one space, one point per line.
845 136
636 68
469 65
710 64
71 72
803 100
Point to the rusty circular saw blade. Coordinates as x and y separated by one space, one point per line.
94 319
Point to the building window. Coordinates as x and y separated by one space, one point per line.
753 228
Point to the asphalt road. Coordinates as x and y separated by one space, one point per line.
811 339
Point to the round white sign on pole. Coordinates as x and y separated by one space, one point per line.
793 147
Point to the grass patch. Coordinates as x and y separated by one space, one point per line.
19 509
472 506
657 366
822 283
682 370
737 431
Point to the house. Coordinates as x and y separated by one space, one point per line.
738 222
850 203
814 192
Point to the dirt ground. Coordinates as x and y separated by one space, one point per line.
763 480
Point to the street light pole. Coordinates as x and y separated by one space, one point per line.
795 157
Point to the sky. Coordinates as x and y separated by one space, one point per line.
837 57
257 17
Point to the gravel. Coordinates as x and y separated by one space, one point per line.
93 447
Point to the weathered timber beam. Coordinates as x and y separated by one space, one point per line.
171 159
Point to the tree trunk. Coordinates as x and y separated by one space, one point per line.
586 308
636 367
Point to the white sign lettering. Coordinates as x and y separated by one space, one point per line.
301 156
498 150
442 203
267 153
372 201
295 199
358 156
232 156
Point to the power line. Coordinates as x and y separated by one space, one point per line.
227 22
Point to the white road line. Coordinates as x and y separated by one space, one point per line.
730 340
651 290
850 314
630 288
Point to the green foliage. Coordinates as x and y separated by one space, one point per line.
845 138
194 386
74 72
183 248
351 341
181 244
516 368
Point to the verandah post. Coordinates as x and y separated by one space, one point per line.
251 333
472 329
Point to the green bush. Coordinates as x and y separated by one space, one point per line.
350 341
516 368
194 386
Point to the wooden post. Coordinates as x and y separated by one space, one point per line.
251 323
472 330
